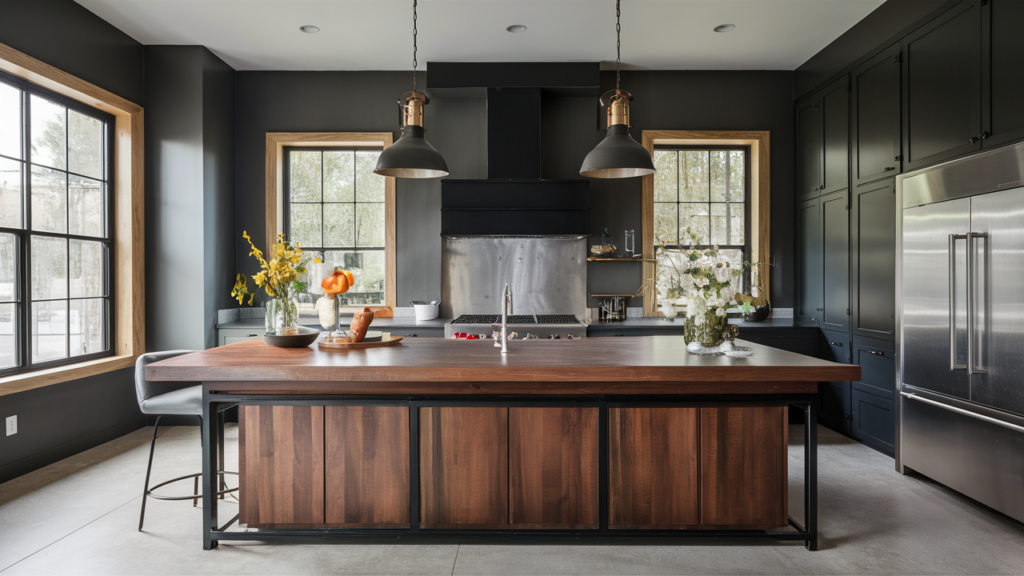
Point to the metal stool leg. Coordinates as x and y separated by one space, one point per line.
195 485
149 468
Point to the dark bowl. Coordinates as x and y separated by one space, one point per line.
304 338
759 314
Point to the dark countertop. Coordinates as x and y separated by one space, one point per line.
378 323
677 324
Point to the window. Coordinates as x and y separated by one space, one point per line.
704 190
336 208
56 237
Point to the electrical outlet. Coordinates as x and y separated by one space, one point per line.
12 425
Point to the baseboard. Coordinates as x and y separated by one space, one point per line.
66 450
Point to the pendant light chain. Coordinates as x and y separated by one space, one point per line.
414 32
618 42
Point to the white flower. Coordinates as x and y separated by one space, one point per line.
720 312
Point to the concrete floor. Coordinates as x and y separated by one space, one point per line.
80 516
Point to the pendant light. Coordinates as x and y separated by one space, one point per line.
618 155
412 156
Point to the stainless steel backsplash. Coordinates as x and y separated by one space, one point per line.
547 275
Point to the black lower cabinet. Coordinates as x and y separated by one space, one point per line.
835 410
873 397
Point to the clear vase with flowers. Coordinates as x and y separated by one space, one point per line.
279 278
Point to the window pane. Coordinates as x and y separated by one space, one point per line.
666 223
368 269
369 186
719 225
666 179
86 269
85 145
8 268
304 177
694 217
49 133
370 224
670 274
10 121
49 330
49 200
8 352
339 225
737 176
693 176
86 326
10 192
735 259
49 268
85 197
737 223
718 175
339 177
305 224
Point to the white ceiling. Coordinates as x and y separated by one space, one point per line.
376 34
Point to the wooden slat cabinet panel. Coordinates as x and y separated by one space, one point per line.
653 468
743 467
463 467
367 466
553 467
281 466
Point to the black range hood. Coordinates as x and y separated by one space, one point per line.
514 200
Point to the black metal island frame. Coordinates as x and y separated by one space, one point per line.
596 440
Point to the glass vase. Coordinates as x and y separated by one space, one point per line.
710 332
282 316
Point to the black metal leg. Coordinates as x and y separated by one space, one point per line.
811 478
149 468
209 464
220 452
195 485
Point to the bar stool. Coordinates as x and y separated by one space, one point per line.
171 399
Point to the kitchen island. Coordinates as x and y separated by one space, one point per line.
451 440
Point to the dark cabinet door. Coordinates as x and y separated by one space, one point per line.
873 243
808 149
553 467
463 467
808 261
1004 56
876 117
835 242
835 151
942 88
835 408
653 467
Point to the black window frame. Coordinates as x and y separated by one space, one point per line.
746 247
286 209
23 236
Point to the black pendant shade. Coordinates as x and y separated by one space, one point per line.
411 157
618 156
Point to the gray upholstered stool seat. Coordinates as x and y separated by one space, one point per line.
170 399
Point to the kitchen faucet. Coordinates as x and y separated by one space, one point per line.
506 309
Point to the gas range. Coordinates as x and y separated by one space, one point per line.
522 326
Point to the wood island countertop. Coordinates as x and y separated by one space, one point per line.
635 365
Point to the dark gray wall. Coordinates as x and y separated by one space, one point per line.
189 195
60 420
355 102
365 101
68 36
883 27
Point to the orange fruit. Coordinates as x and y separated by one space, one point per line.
351 278
336 283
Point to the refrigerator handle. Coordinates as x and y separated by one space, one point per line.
971 304
952 302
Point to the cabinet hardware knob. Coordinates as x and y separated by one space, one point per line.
897 158
889 168
984 135
411 335
972 140
840 344
876 352
814 319
848 416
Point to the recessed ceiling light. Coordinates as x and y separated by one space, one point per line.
309 29
516 28
724 27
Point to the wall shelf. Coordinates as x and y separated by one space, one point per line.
600 259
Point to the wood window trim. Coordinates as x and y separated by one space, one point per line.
129 339
760 194
277 141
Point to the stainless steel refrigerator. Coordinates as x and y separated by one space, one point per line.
960 366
